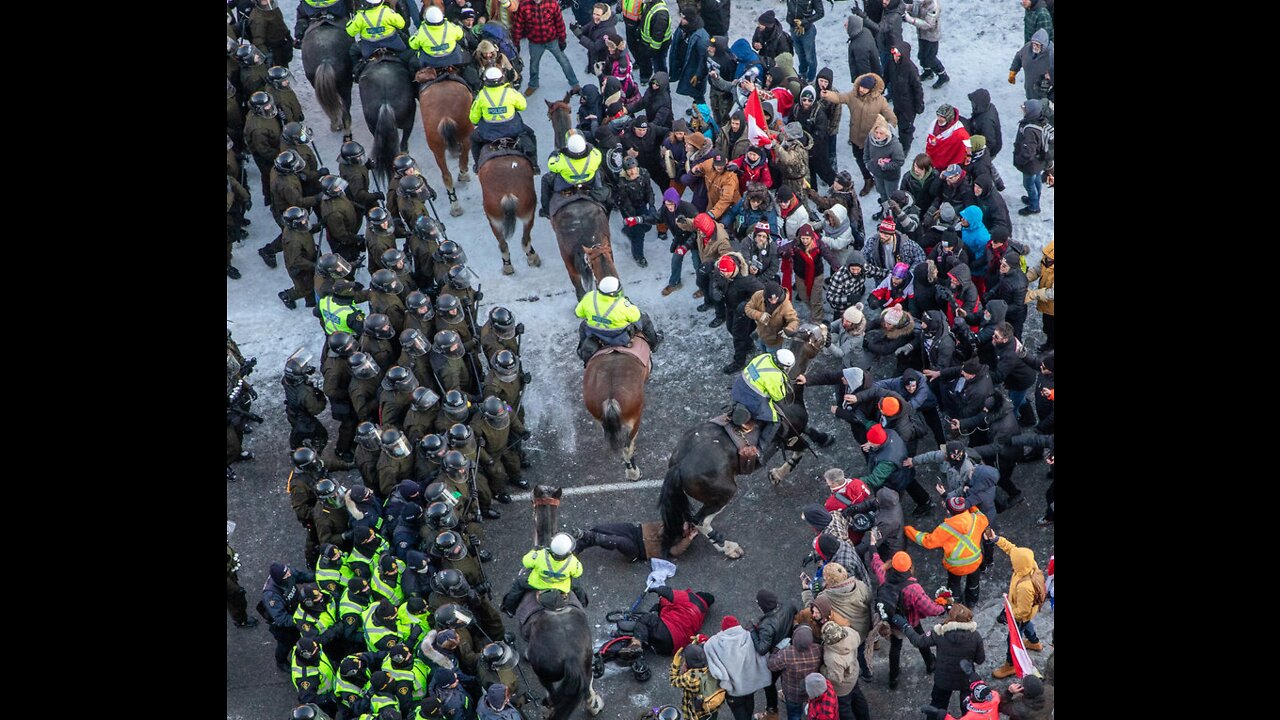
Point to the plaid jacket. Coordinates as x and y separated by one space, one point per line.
539 21
824 707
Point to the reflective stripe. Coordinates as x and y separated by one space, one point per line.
497 109
552 574
631 9
964 543
437 44
646 36
574 172
378 31
603 319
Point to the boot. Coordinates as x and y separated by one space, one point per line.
942 80
490 513
529 91
1035 646
823 439
486 556
704 306
1003 671
284 298
731 368
866 190
927 75
670 289
1026 415
893 682
233 272
511 601
267 256
716 322
1026 199
1029 211
697 293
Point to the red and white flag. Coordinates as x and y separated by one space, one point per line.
1021 659
756 125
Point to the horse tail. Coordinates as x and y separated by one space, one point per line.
571 691
613 429
580 264
386 138
674 505
449 131
509 206
327 92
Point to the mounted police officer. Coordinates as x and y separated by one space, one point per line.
496 115
377 26
308 9
609 318
760 385
575 166
438 46
552 568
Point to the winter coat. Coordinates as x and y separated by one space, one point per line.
773 627
838 239
945 144
634 197
781 318
807 12
732 659
711 248
791 160
995 213
976 236
807 265
852 599
1036 17
889 519
1021 707
656 104
1027 155
839 664
1012 288
591 36
1043 294
864 109
715 13
1024 596
722 189
889 27
732 145
874 151
683 617
940 350
538 21
926 16
773 40
793 665
904 250
968 401
913 599
688 55
955 641
904 76
985 121
759 173
864 57
922 191
770 261
1035 66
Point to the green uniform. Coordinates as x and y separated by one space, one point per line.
336 314
376 242
300 254
357 177
287 102
391 470
394 404
764 376
509 393
376 636
330 523
498 460
388 304
491 343
364 399
390 590
286 192
410 684
418 423
576 172
342 221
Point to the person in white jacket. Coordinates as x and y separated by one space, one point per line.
732 659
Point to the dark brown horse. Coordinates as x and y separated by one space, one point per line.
559 643
581 226
328 68
446 109
507 183
613 391
702 465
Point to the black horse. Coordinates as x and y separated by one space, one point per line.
703 463
386 95
559 642
326 62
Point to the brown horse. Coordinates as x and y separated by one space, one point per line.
507 182
446 109
613 391
581 227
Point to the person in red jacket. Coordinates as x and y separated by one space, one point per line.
982 703
849 496
754 168
674 621
541 23
945 143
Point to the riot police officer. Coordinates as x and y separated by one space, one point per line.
366 379
300 254
397 395
336 371
340 218
396 463
303 402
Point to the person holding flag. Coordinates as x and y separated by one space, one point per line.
1026 594
757 127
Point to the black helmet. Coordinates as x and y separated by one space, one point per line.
426 227
450 252
419 304
431 444
440 516
290 162
498 655
351 153
423 398
296 218
379 326
402 163
458 277
452 583
363 366
448 306
413 343
456 405
232 46
495 411
411 186
452 615
307 460
392 257
260 102
505 363
447 342
368 435
384 281
248 55
326 488
295 133
399 377
459 435
279 77
394 444
455 462
342 344
333 265
305 712
669 712
449 545
344 288
333 186
297 367
501 319
379 215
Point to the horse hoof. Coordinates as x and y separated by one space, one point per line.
464 177
732 550
774 477
335 125
633 473
595 705
455 209
534 260
508 268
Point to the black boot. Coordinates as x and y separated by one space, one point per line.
927 75
267 256
511 601
942 80
233 272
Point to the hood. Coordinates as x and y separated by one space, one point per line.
936 319
742 50
1041 36
722 43
880 123
887 498
876 91
827 74
947 627
607 15
973 214
842 215
961 274
997 308
983 479
778 75
1048 251
981 100
590 94
856 258
1032 110
1023 561
855 26
904 49
988 185
663 80
693 20
913 374
486 46
786 61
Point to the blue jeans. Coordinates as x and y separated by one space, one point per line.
1018 398
1032 183
636 236
807 54
535 59
677 263
886 60
1028 634
795 711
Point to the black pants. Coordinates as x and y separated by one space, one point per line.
286 638
619 536
928 56
704 284
906 132
970 584
895 652
940 698
917 492
1048 331
314 435
854 705
820 161
237 604
1048 498
862 164
651 631
740 329
934 421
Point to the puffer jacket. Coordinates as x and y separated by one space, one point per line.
1043 294
955 641
852 599
985 121
838 239
770 261
863 110
781 318
891 148
926 16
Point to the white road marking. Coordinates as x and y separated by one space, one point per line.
593 489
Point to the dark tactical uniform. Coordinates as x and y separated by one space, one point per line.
394 403
302 498
377 240
418 423
453 374
342 221
287 102
422 250
337 378
389 304
286 192
237 199
357 177
364 398
235 120
237 603
382 351
330 522
267 30
391 470
492 343
300 254
486 614
303 403
262 137
499 462
311 174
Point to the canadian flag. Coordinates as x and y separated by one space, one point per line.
756 124
1021 659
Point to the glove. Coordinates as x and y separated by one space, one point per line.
733 167
479 295
693 81
904 349
431 192
368 164
519 328
682 250
247 368
631 221
563 45
1013 77
764 318
297 44
526 377
324 171
898 621
378 195
483 588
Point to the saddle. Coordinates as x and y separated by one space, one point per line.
571 195
745 434
539 601
502 147
323 19
638 350
427 76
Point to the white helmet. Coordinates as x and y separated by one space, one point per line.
561 545
576 145
433 16
610 285
493 74
785 358
373 2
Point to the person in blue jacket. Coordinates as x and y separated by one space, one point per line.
688 56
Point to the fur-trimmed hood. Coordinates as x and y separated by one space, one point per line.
947 627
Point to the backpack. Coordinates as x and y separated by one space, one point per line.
1044 152
495 34
710 695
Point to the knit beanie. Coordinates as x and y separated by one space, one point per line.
768 18
817 516
889 405
727 622
977 142
823 604
834 573
680 125
946 112
814 684
876 435
957 505
496 695
971 366
868 82
888 225
853 315
828 545
767 600
1032 687
901 561
802 638
946 213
